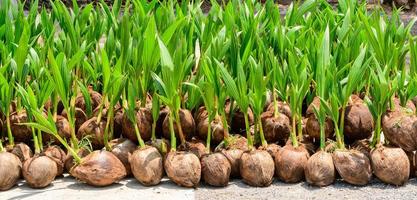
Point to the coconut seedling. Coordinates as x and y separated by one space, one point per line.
390 164
352 165
319 170
182 167
292 158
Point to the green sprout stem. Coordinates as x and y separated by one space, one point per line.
261 133
377 134
141 143
300 128
208 136
226 129
107 130
293 132
36 142
1 146
248 134
40 139
322 137
180 132
153 137
342 124
9 131
276 111
171 129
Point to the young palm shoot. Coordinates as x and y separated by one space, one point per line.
291 159
319 170
182 167
390 164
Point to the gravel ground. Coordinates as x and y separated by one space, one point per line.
69 189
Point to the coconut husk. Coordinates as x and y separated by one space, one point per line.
215 169
22 151
10 168
238 124
20 133
94 132
183 168
319 170
39 171
80 117
272 149
390 165
359 122
58 155
144 121
201 119
195 146
187 125
257 168
162 145
290 162
99 168
146 165
121 148
233 151
276 129
353 166
63 128
96 99
69 159
362 146
400 129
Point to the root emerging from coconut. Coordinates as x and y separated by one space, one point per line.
10 168
22 151
353 166
183 168
121 148
146 165
99 168
257 168
290 163
58 155
215 169
94 131
39 171
390 165
319 170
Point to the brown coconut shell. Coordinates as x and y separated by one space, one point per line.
63 128
183 168
94 131
58 155
215 169
201 119
276 129
20 133
400 129
96 99
272 149
353 166
144 122
22 151
10 168
313 127
237 145
359 122
363 146
80 117
187 125
238 119
39 171
195 146
121 148
290 162
390 165
69 159
99 168
319 170
257 168
147 165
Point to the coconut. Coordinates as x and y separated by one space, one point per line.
215 169
69 159
183 168
22 151
290 162
273 149
96 99
195 146
146 164
201 119
313 127
400 129
10 168
187 125
359 122
94 131
63 128
233 152
121 148
80 117
99 168
238 124
362 146
257 168
20 133
58 155
39 171
353 166
319 170
390 165
144 122
276 129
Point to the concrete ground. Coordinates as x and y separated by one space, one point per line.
68 188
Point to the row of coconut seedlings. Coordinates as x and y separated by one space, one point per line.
52 99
